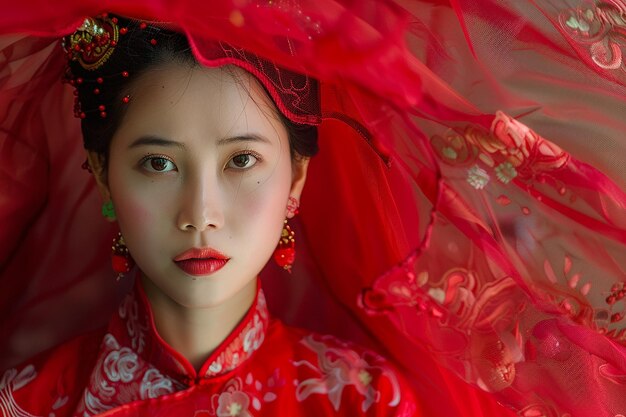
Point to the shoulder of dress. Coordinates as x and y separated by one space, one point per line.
356 380
50 383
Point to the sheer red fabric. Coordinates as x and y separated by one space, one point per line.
465 214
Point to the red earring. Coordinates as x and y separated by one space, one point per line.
285 253
121 260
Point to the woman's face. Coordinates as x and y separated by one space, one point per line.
201 161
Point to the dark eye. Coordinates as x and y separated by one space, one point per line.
158 164
242 161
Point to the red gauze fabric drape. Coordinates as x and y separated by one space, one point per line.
468 220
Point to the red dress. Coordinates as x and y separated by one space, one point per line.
263 368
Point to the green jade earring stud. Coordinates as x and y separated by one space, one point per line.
108 211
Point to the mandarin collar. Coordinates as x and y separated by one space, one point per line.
133 326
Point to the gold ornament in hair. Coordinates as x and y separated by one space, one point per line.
93 42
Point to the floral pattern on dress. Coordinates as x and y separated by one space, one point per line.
242 397
154 384
338 367
12 381
120 377
247 341
232 401
126 368
136 328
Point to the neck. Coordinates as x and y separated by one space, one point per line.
196 332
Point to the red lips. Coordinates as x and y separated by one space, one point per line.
203 261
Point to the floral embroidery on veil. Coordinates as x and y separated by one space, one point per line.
598 27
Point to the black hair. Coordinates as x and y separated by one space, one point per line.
102 92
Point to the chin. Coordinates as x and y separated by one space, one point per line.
207 297
193 303
201 291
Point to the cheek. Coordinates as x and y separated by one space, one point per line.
261 211
267 199
137 212
142 225
133 211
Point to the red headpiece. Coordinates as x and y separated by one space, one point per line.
93 46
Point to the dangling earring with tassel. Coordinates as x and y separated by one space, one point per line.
285 253
121 260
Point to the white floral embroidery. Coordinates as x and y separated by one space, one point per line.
506 172
60 402
233 401
121 374
120 365
598 27
215 367
477 177
154 384
98 396
120 378
254 337
93 405
339 367
249 340
578 24
129 310
437 294
233 404
12 381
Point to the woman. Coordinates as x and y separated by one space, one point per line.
201 172
459 238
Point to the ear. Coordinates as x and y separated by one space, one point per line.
99 169
299 168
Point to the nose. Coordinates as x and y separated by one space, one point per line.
201 205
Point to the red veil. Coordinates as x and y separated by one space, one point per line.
465 215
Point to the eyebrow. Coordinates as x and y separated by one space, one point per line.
243 138
155 141
158 141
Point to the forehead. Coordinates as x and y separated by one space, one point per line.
177 98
